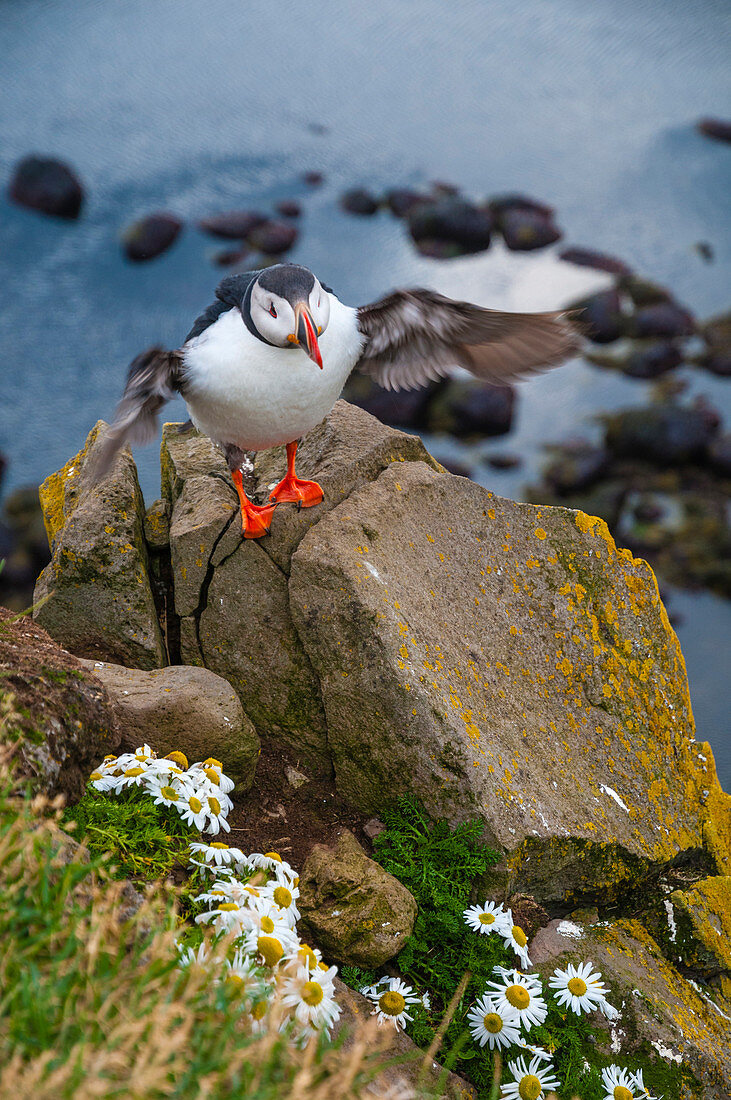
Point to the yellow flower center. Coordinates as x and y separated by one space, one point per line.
322 966
270 949
621 1093
519 935
282 897
251 890
178 758
235 981
530 1087
273 855
487 918
312 993
212 763
170 793
392 1003
95 775
308 956
228 906
109 756
577 986
267 924
195 804
212 777
218 844
214 804
259 1010
518 996
134 771
492 1023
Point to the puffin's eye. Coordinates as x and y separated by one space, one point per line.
272 310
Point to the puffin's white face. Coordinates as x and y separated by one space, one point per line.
292 320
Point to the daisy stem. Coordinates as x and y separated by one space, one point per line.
497 1074
446 1020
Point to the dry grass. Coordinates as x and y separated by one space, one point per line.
92 1005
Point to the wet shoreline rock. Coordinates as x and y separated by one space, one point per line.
151 236
47 185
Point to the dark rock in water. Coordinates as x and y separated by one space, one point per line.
663 319
576 466
314 179
440 189
232 225
661 433
288 208
273 238
461 469
600 261
406 409
359 201
47 185
23 547
472 408
231 256
717 128
151 236
503 461
400 201
652 360
717 334
500 204
526 230
649 520
705 251
642 292
719 454
439 250
3 466
600 316
455 221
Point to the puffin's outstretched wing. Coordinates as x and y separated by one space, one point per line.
413 336
154 376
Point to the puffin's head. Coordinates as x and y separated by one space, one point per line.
289 308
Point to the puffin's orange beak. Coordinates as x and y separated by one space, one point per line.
306 334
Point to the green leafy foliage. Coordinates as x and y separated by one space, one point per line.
143 840
439 865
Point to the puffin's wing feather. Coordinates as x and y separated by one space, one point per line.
413 336
153 378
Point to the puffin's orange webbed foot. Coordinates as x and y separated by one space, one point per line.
291 489
256 519
295 491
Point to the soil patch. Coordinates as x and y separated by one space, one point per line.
275 816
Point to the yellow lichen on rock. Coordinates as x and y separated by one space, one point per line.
707 907
58 492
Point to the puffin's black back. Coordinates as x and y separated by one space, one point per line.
229 292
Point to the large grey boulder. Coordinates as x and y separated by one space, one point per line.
359 913
97 593
182 708
504 661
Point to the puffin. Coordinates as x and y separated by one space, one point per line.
266 362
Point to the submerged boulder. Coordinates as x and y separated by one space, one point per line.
96 592
47 185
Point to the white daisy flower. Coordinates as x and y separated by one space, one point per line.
531 1082
213 770
275 865
144 753
190 956
485 918
642 1090
426 1001
179 759
619 1083
521 992
492 1025
579 988
284 899
390 1004
215 815
218 854
192 811
132 776
228 916
537 1052
311 957
311 997
516 937
271 947
243 975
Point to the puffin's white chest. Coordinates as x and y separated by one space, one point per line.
240 390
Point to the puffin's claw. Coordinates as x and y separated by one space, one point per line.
292 490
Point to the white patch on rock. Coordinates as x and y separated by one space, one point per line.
671 919
666 1052
372 570
617 1037
613 794
568 928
